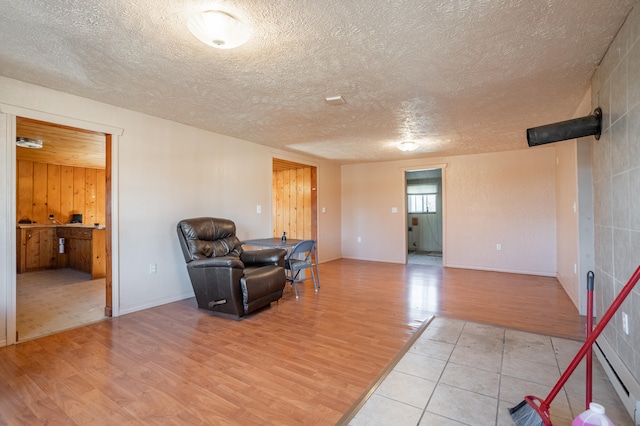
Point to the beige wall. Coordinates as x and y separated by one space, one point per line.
7 255
616 176
573 212
505 198
165 172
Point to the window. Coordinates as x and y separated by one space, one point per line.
422 197
422 203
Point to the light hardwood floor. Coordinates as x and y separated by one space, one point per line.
302 361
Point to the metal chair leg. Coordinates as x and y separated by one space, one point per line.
294 279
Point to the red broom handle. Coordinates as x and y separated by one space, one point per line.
589 384
593 336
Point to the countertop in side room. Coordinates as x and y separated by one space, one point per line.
56 225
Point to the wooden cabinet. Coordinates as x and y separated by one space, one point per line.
84 250
36 248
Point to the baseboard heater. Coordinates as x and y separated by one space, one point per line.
625 385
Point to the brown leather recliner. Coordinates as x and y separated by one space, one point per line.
227 279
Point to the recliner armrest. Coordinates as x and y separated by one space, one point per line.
270 256
217 262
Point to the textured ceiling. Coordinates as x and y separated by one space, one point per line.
457 76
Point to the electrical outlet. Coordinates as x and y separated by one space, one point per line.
258 209
359 239
625 323
153 268
498 247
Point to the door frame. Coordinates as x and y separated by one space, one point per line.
404 170
112 135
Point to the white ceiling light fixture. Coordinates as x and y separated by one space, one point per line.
28 143
219 29
335 100
407 146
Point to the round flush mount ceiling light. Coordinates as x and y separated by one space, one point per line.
219 29
407 146
28 142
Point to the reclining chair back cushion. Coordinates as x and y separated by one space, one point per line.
207 237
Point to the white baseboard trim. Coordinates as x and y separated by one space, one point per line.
154 303
506 270
368 259
329 260
3 343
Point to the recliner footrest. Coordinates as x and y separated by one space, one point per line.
262 286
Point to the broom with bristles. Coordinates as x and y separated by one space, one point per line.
534 411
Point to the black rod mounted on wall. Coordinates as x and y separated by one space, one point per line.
564 130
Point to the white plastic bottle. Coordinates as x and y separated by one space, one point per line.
594 416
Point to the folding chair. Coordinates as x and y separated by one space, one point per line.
301 258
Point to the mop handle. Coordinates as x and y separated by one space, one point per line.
593 336
589 384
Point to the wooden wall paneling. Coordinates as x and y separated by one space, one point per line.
79 180
53 191
294 209
286 200
90 215
40 210
66 193
44 189
25 191
313 186
309 217
299 203
274 203
290 203
279 206
100 196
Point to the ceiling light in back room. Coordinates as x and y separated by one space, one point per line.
28 142
219 29
407 146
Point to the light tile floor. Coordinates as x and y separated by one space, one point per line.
422 258
463 373
53 300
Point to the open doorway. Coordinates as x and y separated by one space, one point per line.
295 200
424 216
62 265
